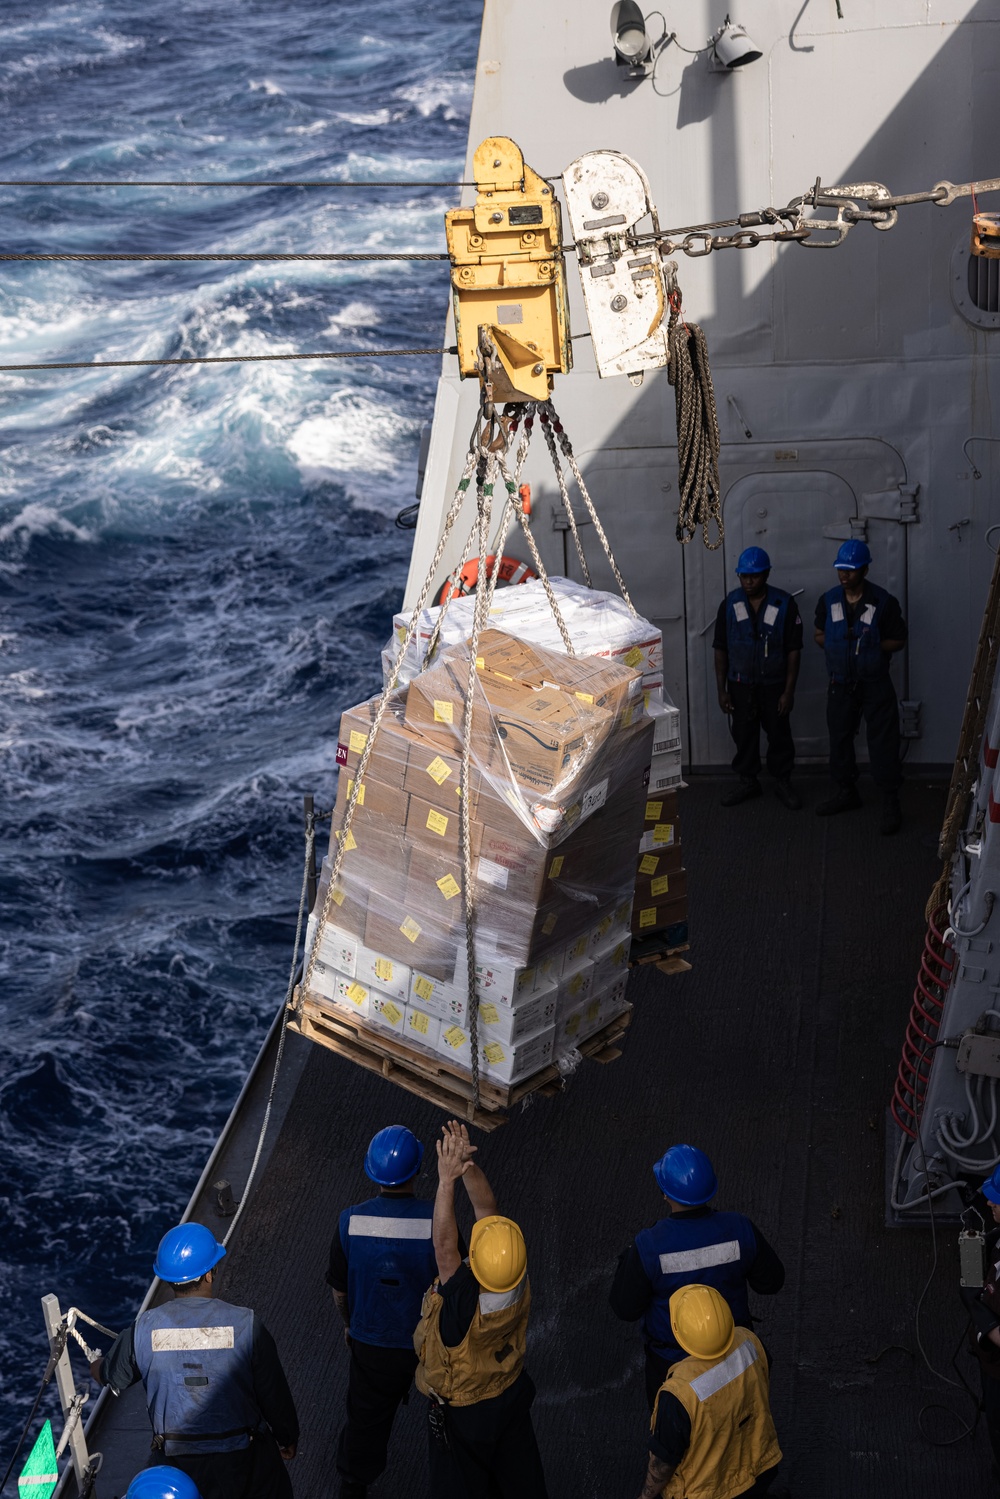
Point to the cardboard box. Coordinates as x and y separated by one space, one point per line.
378 799
664 861
354 997
349 905
651 889
501 982
417 941
658 837
665 771
575 986
432 828
435 705
325 979
434 772
664 913
421 1029
546 737
453 1045
576 1023
387 762
375 865
446 999
387 974
533 1013
666 725
504 1062
611 966
387 1014
660 808
338 949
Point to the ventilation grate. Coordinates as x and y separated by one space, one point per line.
984 283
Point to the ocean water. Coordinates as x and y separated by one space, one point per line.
197 570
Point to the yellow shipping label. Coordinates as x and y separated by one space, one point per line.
494 1052
660 885
358 742
648 864
555 868
549 924
448 886
489 1014
647 917
383 970
645 700
585 697
361 793
620 953
438 770
444 712
633 657
418 1021
576 983
572 1025
424 988
410 929
454 1037
338 896
351 842
391 1013
663 832
627 716
481 660
437 822
592 1009
357 993
654 811
579 948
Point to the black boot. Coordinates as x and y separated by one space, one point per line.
844 800
892 816
787 795
743 791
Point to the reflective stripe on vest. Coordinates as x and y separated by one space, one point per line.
755 645
854 651
714 1249
732 1437
195 1356
390 1264
490 1356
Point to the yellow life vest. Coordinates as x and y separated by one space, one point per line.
733 1439
489 1357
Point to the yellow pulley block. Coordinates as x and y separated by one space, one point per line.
509 276
986 236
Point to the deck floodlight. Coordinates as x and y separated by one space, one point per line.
633 49
732 47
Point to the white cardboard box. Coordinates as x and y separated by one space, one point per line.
339 950
386 1013
500 1023
504 1062
502 982
577 1023
611 964
353 996
324 980
386 974
575 987
666 725
453 1043
449 1002
421 1029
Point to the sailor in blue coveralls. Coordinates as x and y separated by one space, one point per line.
758 648
381 1263
860 627
694 1245
218 1400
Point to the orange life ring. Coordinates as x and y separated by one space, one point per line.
510 570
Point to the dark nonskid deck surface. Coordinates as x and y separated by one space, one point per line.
776 1055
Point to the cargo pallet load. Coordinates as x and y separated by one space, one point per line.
559 801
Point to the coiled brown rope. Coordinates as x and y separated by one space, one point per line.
697 429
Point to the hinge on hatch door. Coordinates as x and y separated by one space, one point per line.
607 195
508 276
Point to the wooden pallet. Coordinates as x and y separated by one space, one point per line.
660 955
430 1076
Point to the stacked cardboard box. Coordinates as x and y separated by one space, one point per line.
660 909
560 759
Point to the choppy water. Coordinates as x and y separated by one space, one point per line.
197 570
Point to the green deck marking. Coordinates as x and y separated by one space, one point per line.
40 1473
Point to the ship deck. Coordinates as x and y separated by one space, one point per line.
776 1054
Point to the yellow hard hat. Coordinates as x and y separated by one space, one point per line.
701 1321
497 1254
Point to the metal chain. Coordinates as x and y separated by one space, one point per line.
567 448
550 440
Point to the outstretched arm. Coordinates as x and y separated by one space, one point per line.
454 1154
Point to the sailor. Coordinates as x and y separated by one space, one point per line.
693 1243
758 649
218 1399
983 1307
381 1263
162 1483
860 627
470 1343
711 1434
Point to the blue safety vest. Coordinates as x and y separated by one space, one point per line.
854 652
390 1264
715 1250
756 647
195 1358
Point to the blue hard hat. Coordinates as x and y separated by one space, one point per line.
186 1253
685 1175
162 1483
853 554
393 1156
753 560
991 1189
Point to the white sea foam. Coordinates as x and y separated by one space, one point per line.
267 85
449 94
37 519
315 128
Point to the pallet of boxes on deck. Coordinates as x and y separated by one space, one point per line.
557 793
660 912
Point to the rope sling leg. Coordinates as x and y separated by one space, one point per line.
550 442
570 456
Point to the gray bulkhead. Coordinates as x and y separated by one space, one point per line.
859 371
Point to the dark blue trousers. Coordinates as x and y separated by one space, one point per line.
847 703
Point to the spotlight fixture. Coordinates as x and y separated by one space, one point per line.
732 48
633 49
